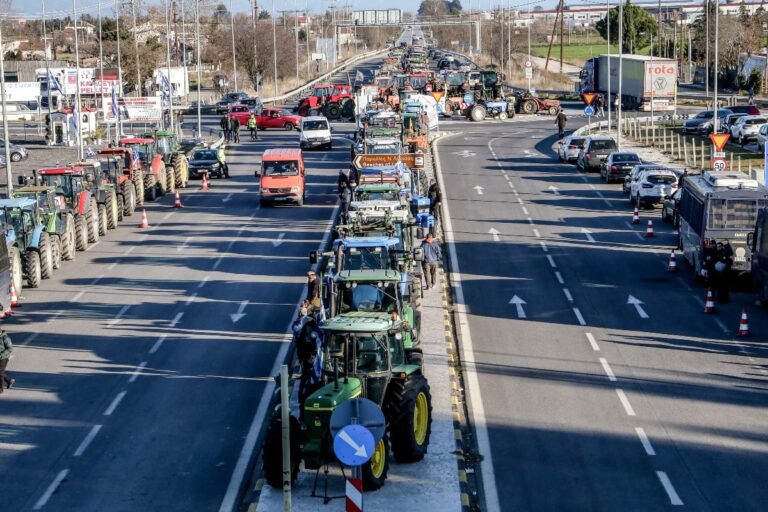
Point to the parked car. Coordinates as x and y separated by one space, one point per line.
277 118
706 127
18 153
730 120
569 148
626 185
202 161
745 129
223 106
617 165
670 209
762 136
703 121
652 187
595 150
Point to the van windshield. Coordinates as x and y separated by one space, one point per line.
280 168
602 144
314 125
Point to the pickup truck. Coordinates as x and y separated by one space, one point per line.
269 118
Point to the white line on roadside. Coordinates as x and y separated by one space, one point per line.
530 221
29 339
551 261
506 177
78 296
217 262
168 215
625 402
185 244
176 319
144 238
536 233
115 403
87 441
113 265
593 342
130 250
647 446
157 344
559 277
607 369
674 499
525 211
119 317
227 198
519 200
568 295
579 317
135 374
96 281
608 202
511 185
544 247
51 489
191 299
202 283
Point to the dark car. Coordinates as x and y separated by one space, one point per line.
702 122
202 161
670 209
595 150
254 104
236 97
750 110
618 165
223 106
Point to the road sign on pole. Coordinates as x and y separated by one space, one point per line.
528 73
719 164
353 445
361 411
589 97
719 140
589 111
528 64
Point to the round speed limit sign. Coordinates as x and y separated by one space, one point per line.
719 164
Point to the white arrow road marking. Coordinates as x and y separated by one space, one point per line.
464 153
276 243
554 190
588 234
185 244
518 302
479 189
236 317
495 234
637 303
359 449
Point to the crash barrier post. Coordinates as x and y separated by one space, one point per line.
694 151
739 163
731 165
685 150
702 154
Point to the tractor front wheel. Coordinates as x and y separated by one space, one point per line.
129 198
503 116
32 268
113 210
333 111
273 452
170 180
376 469
56 245
101 212
138 186
93 222
68 246
46 256
409 409
81 233
150 188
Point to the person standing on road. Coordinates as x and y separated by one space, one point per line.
435 198
560 121
600 104
224 124
722 273
6 349
432 255
221 156
343 180
252 127
346 198
313 290
235 130
751 97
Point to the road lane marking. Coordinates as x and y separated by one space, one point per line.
51 489
530 221
144 238
551 261
554 190
157 344
191 299
185 244
625 402
559 277
96 281
479 189
518 302
588 234
568 295
78 296
607 369
29 339
115 403
217 262
495 234
544 247
168 215
536 233
130 250
674 499
647 446
593 342
176 319
579 317
227 198
135 374
638 304
202 283
519 200
87 441
113 265
608 202
525 211
119 317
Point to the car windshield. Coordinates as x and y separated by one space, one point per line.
705 115
280 168
625 157
382 195
368 297
661 179
602 145
366 258
314 125
204 155
62 183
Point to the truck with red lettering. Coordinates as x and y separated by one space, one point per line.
645 80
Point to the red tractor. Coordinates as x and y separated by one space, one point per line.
156 182
132 182
332 100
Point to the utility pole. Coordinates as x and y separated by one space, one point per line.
530 21
135 48
608 29
234 53
47 73
296 36
101 70
554 31
274 43
78 104
119 119
254 17
8 174
168 64
199 66
621 65
717 34
562 15
706 79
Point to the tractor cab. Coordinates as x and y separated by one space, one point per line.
383 146
143 149
124 154
68 182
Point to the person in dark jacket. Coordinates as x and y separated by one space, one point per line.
722 272
225 126
432 255
560 121
343 180
435 198
346 198
313 290
235 126
6 349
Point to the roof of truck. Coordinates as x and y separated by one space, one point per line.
352 242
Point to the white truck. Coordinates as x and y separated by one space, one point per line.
178 80
644 80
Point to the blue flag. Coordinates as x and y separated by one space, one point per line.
53 83
115 110
74 121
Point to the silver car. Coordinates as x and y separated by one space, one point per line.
568 149
745 128
762 136
18 153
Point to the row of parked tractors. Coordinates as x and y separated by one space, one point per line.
61 210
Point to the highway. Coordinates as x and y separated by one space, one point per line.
142 369
594 379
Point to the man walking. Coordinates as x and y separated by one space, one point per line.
224 123
235 130
560 121
346 198
313 290
435 198
6 349
432 255
600 104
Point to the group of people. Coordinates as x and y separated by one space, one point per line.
230 126
718 263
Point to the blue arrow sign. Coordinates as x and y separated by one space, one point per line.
353 445
589 111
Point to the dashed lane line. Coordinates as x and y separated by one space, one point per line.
87 441
568 295
607 369
559 277
579 317
115 403
176 319
674 499
625 402
593 342
157 344
135 374
544 247
647 446
191 299
119 317
551 261
202 283
40 503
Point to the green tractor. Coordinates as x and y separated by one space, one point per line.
369 349
59 222
104 192
176 164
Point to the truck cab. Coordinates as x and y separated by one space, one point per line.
282 176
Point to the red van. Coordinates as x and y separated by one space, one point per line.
281 177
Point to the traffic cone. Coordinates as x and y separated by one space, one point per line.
14 295
205 181
636 216
144 222
743 324
709 305
672 267
649 230
177 201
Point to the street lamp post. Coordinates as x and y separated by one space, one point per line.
199 65
234 54
717 34
119 129
8 175
78 104
168 64
608 92
135 48
274 44
621 62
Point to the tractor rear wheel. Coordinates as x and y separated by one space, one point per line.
150 188
530 107
553 110
129 198
68 243
120 207
113 210
273 452
101 212
409 410
45 248
17 270
180 172
138 187
56 251
162 182
81 233
332 111
314 112
348 110
93 222
170 180
477 113
376 469
32 268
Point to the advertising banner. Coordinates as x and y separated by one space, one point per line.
134 110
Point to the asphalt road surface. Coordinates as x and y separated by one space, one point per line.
595 381
143 367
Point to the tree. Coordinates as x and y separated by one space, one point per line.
221 14
264 15
433 8
638 27
454 7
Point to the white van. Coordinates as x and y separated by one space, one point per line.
18 112
315 132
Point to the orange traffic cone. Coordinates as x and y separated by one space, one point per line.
709 305
636 216
144 222
743 324
649 230
672 267
205 181
177 201
14 295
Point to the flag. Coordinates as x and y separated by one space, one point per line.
136 157
74 121
53 83
89 153
359 76
115 110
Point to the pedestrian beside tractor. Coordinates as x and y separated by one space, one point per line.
6 349
313 291
225 127
252 127
432 255
435 199
560 121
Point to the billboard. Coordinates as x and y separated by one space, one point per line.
134 110
22 92
377 17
